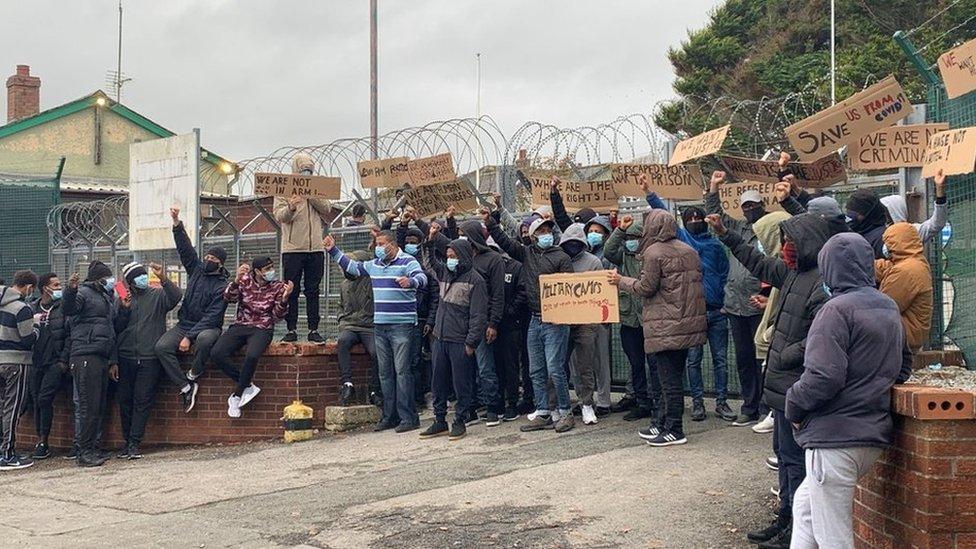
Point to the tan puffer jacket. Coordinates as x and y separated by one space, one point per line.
670 282
907 278
302 229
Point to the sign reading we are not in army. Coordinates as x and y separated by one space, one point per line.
293 184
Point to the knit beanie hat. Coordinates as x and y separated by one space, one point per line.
260 262
98 270
219 253
132 270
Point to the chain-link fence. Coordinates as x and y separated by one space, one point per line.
23 231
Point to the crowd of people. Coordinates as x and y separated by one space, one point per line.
825 307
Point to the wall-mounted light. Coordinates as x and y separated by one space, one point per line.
227 167
101 101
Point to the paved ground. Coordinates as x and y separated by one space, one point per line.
596 486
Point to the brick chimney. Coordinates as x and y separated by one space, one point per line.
23 94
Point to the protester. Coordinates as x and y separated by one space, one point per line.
896 211
91 309
303 221
48 372
866 217
355 326
201 316
510 344
261 300
905 276
546 342
841 405
17 338
801 296
395 276
358 218
674 317
462 318
824 206
140 323
744 316
597 231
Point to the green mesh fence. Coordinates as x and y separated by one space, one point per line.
23 233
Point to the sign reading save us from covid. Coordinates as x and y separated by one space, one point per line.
578 298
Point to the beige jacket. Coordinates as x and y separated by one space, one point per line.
302 229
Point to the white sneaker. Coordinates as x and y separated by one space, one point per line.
540 413
556 416
249 393
764 426
234 406
589 415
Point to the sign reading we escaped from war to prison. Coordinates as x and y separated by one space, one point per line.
578 298
291 184
672 182
871 109
953 152
729 194
700 145
819 173
958 69
383 173
576 195
894 147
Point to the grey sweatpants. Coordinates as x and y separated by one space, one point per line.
583 360
603 365
13 391
823 504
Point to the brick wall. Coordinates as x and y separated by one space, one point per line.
23 94
317 370
922 491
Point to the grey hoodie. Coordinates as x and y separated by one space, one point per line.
598 251
898 211
462 313
584 260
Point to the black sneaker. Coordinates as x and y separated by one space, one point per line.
41 451
577 410
649 433
698 411
90 459
314 337
603 411
376 399
189 397
473 419
14 462
769 532
723 411
781 540
458 430
511 414
492 420
290 337
744 420
436 429
103 454
383 426
636 413
123 453
405 427
525 407
346 393
623 405
72 453
667 438
772 463
134 452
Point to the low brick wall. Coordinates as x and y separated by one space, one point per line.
286 371
922 491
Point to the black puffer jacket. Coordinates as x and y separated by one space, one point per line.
50 341
203 304
801 296
535 262
490 266
91 310
462 312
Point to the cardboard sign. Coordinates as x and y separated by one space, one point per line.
873 108
894 147
433 199
953 152
819 173
578 298
289 184
700 145
431 170
383 173
958 68
729 194
672 182
576 195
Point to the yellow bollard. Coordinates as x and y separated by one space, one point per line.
298 422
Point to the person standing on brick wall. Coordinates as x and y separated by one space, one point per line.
201 315
355 326
49 372
396 276
261 300
91 308
840 406
18 333
142 319
303 222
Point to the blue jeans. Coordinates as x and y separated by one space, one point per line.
396 377
718 343
489 394
547 345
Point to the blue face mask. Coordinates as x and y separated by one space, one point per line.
56 295
885 251
109 283
412 249
826 289
545 241
452 263
270 276
594 239
141 281
380 252
631 245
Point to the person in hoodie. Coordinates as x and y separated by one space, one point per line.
91 309
801 297
17 339
48 372
355 326
427 301
582 337
896 211
824 206
866 217
510 344
462 316
143 315
597 230
905 276
546 342
841 405
674 316
201 316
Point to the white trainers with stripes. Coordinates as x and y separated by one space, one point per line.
667 438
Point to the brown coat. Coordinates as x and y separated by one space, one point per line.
906 278
670 282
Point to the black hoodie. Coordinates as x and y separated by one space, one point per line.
535 262
490 266
463 306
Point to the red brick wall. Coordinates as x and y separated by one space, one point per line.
317 369
23 94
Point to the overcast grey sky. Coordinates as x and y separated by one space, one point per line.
256 75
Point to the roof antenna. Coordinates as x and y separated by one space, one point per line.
116 78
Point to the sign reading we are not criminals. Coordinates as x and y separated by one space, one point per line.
292 184
579 298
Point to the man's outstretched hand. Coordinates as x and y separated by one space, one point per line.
715 222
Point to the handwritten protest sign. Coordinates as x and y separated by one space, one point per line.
700 145
289 184
958 68
873 108
578 298
431 170
433 199
729 194
953 152
383 173
672 182
819 173
894 147
576 195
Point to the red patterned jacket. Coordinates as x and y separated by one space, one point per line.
257 305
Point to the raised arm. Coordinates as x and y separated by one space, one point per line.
353 267
184 247
713 204
72 301
933 226
284 209
322 207
767 269
559 215
512 248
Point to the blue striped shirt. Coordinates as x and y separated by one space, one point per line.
391 303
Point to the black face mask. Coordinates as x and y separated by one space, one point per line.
210 266
573 248
695 227
754 215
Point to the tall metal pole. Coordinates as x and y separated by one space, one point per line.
373 111
833 61
118 70
477 174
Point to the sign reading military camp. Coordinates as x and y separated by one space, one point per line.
819 173
953 152
578 298
576 195
431 170
729 194
873 108
433 199
673 182
383 173
958 69
700 145
894 147
291 184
